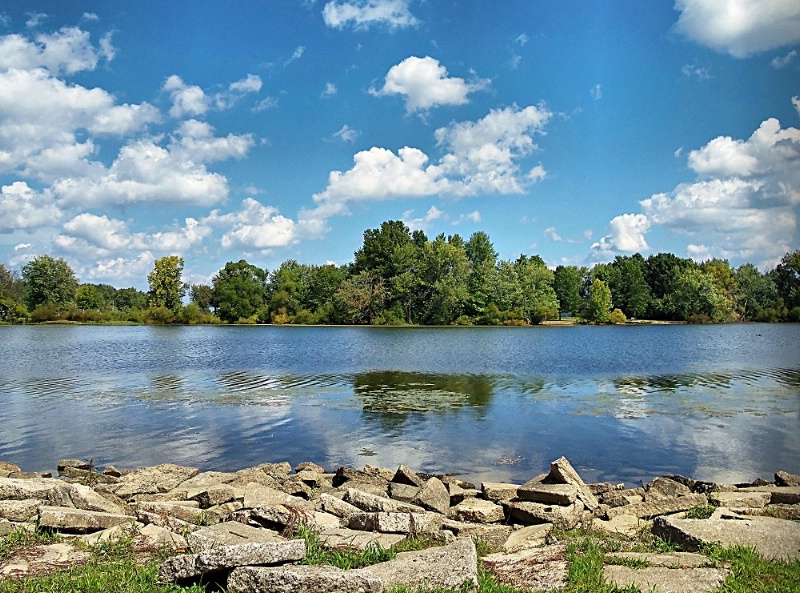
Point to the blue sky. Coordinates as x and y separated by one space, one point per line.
278 129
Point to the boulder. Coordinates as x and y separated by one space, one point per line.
403 492
787 479
19 510
563 494
257 495
393 522
371 503
477 510
562 517
532 569
741 499
342 538
224 557
494 535
499 492
335 506
532 536
405 475
214 495
190 513
301 579
659 579
152 480
774 539
562 472
354 476
78 521
230 533
669 560
7 467
51 492
73 463
87 499
309 466
448 567
433 496
661 488
659 507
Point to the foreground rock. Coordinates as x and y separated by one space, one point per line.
302 579
659 579
532 569
774 539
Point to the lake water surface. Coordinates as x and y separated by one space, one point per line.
622 403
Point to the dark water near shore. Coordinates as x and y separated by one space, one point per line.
622 403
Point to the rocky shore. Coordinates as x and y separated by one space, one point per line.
237 528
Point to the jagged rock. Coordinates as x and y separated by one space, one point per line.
19 510
662 488
309 466
214 495
477 510
563 494
113 534
499 492
405 475
185 511
619 498
255 476
256 495
278 471
772 538
371 503
74 474
230 533
279 517
162 520
659 579
493 534
562 517
447 480
7 467
152 480
334 506
531 569
397 522
341 537
562 472
532 536
29 475
73 463
668 560
52 492
787 479
659 507
310 478
301 579
78 521
379 472
38 558
699 486
226 557
741 499
220 512
627 525
602 487
433 496
448 566
112 471
87 499
403 492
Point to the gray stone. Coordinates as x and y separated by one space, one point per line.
19 510
448 566
257 495
310 478
787 479
563 494
602 487
6 527
379 472
226 557
354 476
214 495
562 472
255 476
335 506
741 499
8 467
403 492
87 499
405 475
52 492
627 525
668 560
618 498
230 533
162 520
175 510
206 480
433 496
310 466
29 475
319 521
659 507
371 503
561 517
409 523
661 488
790 512
278 516
112 471
532 536
220 512
151 480
499 492
73 474
666 580
772 538
493 534
113 534
301 579
533 569
73 463
295 486
78 521
159 537
341 538
42 559
477 510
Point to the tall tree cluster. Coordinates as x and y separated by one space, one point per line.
403 277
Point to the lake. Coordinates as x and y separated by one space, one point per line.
622 403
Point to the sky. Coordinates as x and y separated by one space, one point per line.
283 129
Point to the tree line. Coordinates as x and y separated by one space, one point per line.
401 277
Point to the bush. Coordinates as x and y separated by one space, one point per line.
159 316
794 314
699 318
45 312
617 317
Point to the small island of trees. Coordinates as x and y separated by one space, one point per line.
399 277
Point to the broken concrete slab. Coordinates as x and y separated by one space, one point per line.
52 492
787 479
562 472
535 512
371 503
230 533
42 558
627 525
152 480
78 521
301 579
226 557
335 506
668 560
19 510
499 491
532 569
774 539
646 510
258 495
532 536
343 538
666 580
563 494
741 499
409 523
477 510
433 495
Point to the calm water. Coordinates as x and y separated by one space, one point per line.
622 403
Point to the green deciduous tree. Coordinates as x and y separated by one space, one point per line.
202 295
361 298
787 279
166 286
567 283
598 304
629 289
49 281
239 291
757 293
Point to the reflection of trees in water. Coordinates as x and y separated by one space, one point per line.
392 397
167 382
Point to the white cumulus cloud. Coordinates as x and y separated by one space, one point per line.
425 84
255 226
362 14
422 224
625 234
23 208
68 51
740 27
